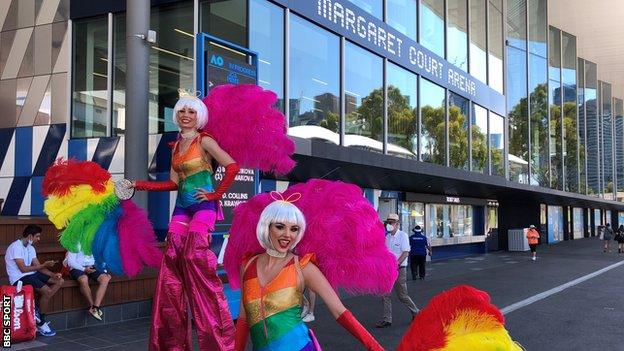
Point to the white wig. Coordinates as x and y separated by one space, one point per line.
279 212
195 104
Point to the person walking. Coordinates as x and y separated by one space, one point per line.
619 237
607 236
533 238
397 242
420 248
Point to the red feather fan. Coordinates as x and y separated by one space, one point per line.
64 174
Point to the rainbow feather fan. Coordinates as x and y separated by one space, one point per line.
338 218
245 123
81 200
459 319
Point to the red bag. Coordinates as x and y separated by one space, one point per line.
18 314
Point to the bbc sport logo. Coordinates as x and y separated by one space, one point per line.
6 321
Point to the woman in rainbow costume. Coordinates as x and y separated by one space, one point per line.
188 274
273 276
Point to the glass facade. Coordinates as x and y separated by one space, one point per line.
591 125
364 98
554 101
314 91
479 139
495 45
374 7
401 15
457 33
518 115
402 112
606 137
478 39
458 115
569 115
224 19
432 25
582 130
433 122
618 131
448 221
497 144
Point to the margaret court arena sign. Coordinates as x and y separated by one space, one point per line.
359 26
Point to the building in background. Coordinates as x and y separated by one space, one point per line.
467 117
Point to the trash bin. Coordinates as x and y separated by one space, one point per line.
516 240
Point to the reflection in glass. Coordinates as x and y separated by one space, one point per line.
401 15
538 94
363 98
224 19
591 127
518 116
314 82
457 33
570 135
374 7
266 37
90 75
459 111
402 115
433 123
171 65
479 145
618 115
448 221
497 144
495 45
478 40
516 23
538 27
582 137
412 214
554 101
432 25
607 140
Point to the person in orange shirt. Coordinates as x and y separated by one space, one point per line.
533 237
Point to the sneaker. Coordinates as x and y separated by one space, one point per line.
95 313
45 329
533 258
37 316
308 318
383 324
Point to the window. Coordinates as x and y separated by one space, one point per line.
433 122
538 27
90 78
478 40
591 106
497 144
582 138
495 45
538 95
568 62
412 214
459 112
448 221
374 7
225 19
554 100
479 144
266 37
457 34
432 25
314 81
401 15
171 65
518 116
402 116
363 98
516 23
618 113
607 140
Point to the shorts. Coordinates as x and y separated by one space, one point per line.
533 247
76 273
38 280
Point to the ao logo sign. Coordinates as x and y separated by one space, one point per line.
216 60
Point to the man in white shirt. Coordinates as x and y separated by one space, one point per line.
82 269
397 242
22 265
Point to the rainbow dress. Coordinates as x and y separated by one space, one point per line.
274 311
193 171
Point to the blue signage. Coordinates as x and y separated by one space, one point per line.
359 26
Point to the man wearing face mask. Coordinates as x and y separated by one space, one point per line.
397 242
22 265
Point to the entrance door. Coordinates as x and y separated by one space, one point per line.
492 229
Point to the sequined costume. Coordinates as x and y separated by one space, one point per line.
188 273
274 311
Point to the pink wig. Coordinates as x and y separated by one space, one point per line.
342 229
245 123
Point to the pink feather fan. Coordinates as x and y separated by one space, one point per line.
245 124
342 229
137 241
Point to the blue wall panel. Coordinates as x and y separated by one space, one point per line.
50 149
77 148
23 151
13 202
6 134
36 199
105 151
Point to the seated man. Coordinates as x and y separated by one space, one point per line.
82 269
22 265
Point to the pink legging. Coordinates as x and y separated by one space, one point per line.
188 275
